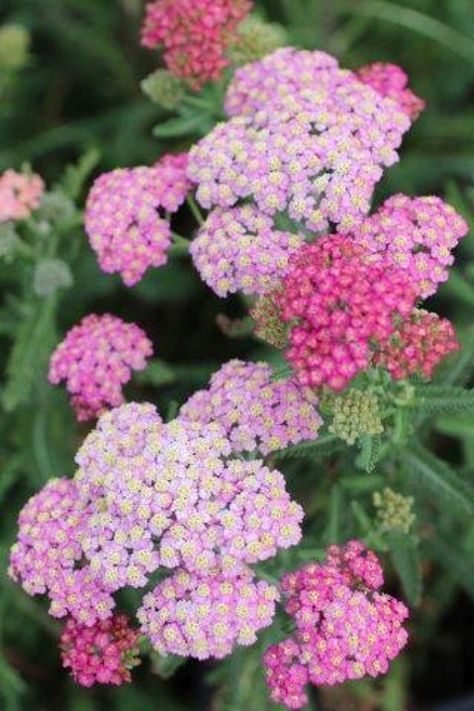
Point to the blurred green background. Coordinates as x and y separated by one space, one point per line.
78 94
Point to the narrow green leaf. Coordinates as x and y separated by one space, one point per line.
165 666
180 126
455 561
324 445
157 373
406 560
431 399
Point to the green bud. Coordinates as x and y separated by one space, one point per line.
356 413
51 275
163 89
394 511
56 206
255 39
14 46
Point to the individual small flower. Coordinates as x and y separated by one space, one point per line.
163 88
20 194
96 359
255 411
268 324
256 38
102 654
48 555
126 216
51 275
340 303
238 249
194 35
417 346
394 511
206 616
345 627
390 80
355 413
418 234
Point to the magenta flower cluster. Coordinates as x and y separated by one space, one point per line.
345 627
127 219
205 616
257 413
96 359
390 80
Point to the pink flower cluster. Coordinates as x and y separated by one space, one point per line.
345 627
390 80
48 555
305 137
342 305
126 217
417 234
256 412
20 194
418 345
238 249
205 616
96 359
194 35
102 654
168 494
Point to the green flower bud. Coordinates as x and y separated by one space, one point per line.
14 46
394 511
51 275
163 89
56 206
255 39
355 413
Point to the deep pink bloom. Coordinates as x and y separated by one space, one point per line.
207 615
20 194
102 654
340 303
126 217
345 627
96 359
390 80
194 35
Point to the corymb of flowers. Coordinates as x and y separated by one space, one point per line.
195 512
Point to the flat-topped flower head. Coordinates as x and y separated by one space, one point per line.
257 413
48 557
340 304
345 627
238 249
390 80
206 616
194 35
20 194
418 234
315 148
126 219
102 654
96 359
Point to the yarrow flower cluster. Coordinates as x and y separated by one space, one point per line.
394 511
256 412
102 654
238 249
356 413
194 35
390 80
341 304
417 234
96 359
345 627
205 616
305 137
126 218
20 194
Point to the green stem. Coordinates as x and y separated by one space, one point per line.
195 210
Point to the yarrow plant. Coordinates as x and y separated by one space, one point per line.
188 509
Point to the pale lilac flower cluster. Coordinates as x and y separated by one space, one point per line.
205 616
257 413
48 555
96 359
126 218
417 234
314 148
237 249
345 627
